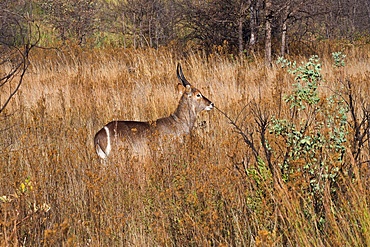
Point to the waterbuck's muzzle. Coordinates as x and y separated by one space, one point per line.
210 106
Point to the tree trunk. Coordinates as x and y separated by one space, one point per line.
268 17
283 38
253 28
368 9
240 36
284 30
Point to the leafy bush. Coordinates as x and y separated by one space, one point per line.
314 134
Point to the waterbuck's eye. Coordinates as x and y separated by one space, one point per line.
199 95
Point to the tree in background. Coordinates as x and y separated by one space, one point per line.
18 36
243 26
72 19
149 23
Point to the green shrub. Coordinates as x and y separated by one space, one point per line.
314 134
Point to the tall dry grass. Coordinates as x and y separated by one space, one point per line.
206 192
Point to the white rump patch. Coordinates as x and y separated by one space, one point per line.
109 147
104 154
100 152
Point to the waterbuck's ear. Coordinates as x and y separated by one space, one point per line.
180 89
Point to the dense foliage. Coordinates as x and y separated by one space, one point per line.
241 24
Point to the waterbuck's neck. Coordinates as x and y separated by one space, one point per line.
185 114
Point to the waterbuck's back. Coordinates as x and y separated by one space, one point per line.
142 138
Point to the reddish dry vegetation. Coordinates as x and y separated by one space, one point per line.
225 186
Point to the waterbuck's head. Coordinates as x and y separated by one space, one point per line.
192 97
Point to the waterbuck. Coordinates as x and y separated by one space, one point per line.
135 137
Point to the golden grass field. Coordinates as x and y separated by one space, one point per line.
54 191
